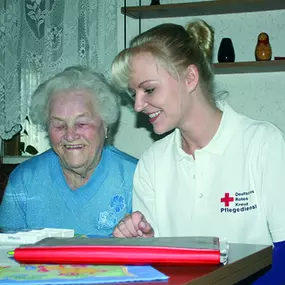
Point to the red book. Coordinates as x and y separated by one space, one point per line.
131 251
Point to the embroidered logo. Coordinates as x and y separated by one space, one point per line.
238 203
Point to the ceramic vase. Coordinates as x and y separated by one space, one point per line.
226 51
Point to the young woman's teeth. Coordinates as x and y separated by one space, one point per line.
153 115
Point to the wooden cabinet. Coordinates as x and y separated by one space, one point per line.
212 8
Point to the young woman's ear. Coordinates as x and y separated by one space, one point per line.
192 77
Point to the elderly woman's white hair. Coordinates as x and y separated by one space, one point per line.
106 100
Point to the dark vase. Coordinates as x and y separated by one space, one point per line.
154 2
226 51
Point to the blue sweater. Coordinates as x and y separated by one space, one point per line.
38 196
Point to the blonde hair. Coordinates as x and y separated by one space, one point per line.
174 48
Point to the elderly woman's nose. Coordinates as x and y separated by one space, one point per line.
71 133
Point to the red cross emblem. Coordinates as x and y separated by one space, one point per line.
227 199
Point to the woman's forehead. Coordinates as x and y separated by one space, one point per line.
142 56
73 102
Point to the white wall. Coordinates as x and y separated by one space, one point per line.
261 96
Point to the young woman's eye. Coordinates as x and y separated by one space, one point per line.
149 90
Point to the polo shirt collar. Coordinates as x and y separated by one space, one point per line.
218 144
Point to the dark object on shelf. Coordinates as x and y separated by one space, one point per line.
279 58
155 2
263 48
29 149
226 51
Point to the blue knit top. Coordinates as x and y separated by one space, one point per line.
37 195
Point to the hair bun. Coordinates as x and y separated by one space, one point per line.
203 35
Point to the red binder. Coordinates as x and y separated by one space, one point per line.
112 251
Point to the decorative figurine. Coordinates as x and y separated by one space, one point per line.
226 51
263 48
154 2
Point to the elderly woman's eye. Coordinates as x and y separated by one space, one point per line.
149 90
81 125
58 126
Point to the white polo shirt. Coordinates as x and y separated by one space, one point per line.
234 189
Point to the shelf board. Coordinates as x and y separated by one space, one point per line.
202 8
14 159
249 67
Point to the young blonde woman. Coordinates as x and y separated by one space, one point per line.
218 173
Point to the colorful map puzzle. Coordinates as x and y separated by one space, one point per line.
76 274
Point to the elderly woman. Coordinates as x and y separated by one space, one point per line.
80 183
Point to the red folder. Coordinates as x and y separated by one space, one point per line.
111 251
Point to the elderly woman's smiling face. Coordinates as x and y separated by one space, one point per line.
76 130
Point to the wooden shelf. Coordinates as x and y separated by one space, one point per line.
213 8
202 8
249 67
15 159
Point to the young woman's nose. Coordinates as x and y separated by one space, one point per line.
140 102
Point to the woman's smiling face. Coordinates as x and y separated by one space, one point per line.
156 93
76 130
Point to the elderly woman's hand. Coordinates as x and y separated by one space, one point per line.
133 225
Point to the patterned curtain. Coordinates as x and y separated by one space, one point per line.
41 37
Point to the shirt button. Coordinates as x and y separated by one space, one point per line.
194 176
201 195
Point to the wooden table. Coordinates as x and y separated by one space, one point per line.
246 262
